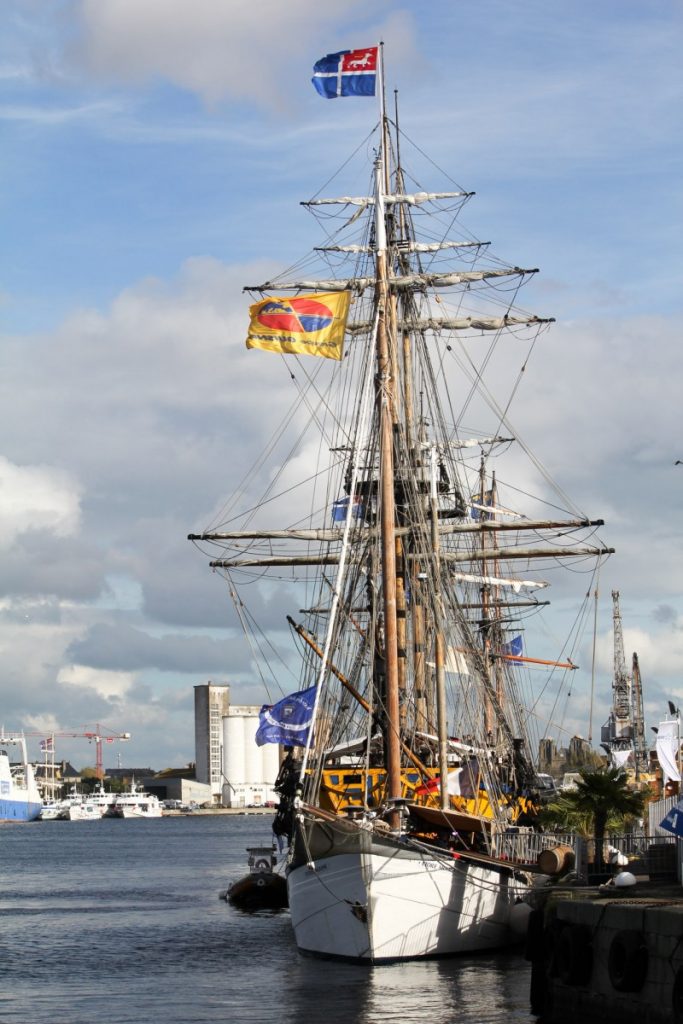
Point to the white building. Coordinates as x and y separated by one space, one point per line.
248 771
211 705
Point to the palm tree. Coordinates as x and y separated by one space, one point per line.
603 793
562 816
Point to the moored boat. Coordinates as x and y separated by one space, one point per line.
262 888
411 809
135 804
85 810
19 794
73 799
49 810
102 800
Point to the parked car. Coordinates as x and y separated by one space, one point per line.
546 787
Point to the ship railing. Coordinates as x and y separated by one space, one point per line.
525 845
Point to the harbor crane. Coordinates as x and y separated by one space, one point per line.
624 732
98 736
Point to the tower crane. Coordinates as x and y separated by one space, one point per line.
96 735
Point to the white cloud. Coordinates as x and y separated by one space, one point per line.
151 406
37 498
105 683
44 724
210 47
56 115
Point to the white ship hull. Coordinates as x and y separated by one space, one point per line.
135 804
19 794
50 811
137 812
84 812
383 904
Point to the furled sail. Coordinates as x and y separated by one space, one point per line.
410 199
407 282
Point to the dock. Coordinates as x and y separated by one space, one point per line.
608 954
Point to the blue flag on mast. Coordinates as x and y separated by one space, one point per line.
514 648
288 721
347 73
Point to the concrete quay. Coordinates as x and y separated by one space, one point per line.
197 811
606 954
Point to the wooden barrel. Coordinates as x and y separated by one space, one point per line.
556 860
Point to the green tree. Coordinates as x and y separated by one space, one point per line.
603 794
562 816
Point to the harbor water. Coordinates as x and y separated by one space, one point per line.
120 922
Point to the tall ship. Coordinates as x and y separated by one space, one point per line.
20 798
410 565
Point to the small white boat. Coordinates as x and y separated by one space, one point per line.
86 810
50 810
135 804
73 799
102 800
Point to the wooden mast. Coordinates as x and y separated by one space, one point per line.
385 400
439 644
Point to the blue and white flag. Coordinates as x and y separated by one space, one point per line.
478 507
673 822
347 73
513 648
288 721
341 507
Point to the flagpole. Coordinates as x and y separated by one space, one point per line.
383 116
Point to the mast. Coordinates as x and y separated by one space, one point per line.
385 399
439 646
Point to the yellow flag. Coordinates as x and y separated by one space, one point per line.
308 324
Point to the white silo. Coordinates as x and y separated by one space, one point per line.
233 757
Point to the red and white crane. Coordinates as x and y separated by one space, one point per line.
98 735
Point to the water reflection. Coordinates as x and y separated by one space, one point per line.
465 990
123 925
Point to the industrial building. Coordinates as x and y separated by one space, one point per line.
249 771
211 703
240 773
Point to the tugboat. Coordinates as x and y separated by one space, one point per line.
261 888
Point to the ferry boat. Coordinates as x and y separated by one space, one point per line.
135 804
19 793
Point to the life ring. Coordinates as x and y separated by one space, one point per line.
260 882
574 954
627 961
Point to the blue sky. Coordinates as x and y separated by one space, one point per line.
153 157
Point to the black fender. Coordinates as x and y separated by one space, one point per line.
627 961
574 954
